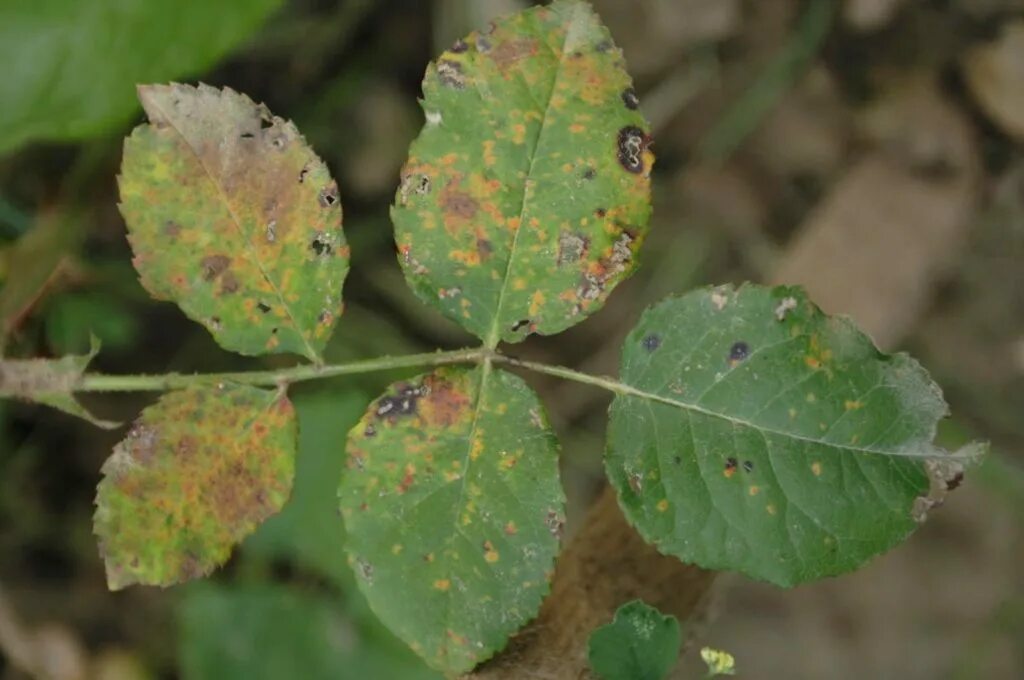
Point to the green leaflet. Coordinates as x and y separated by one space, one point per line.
71 66
767 438
526 196
232 216
641 643
454 511
198 471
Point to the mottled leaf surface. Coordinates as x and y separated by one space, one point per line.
198 471
232 216
72 66
454 511
640 643
764 437
51 382
527 194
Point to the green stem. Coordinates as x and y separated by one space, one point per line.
94 382
609 384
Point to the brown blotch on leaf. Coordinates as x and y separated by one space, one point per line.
572 247
214 265
506 54
631 143
484 248
459 46
328 195
446 404
229 283
555 523
450 74
458 204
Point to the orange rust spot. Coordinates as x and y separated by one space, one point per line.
754 490
511 529
490 554
852 405
444 405
489 157
662 505
576 128
518 133
442 584
812 362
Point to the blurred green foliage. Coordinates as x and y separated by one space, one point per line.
71 66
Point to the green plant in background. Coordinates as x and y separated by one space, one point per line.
749 431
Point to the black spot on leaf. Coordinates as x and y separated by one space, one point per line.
630 99
263 306
739 351
632 141
651 342
748 465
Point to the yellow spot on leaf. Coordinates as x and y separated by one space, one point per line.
816 468
852 405
396 549
442 584
770 508
662 505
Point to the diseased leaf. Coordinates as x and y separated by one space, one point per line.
198 471
71 65
51 382
232 216
454 511
761 436
641 643
526 196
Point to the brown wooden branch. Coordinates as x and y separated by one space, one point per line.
604 566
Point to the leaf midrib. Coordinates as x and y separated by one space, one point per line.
494 333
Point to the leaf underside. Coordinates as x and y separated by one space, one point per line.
527 194
198 471
766 437
454 511
232 216
640 643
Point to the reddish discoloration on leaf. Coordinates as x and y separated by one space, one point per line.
526 177
222 201
436 515
198 472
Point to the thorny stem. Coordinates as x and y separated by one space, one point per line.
94 382
99 382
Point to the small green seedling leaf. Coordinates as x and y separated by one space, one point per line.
51 382
527 194
759 435
198 471
641 643
232 216
718 662
454 511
